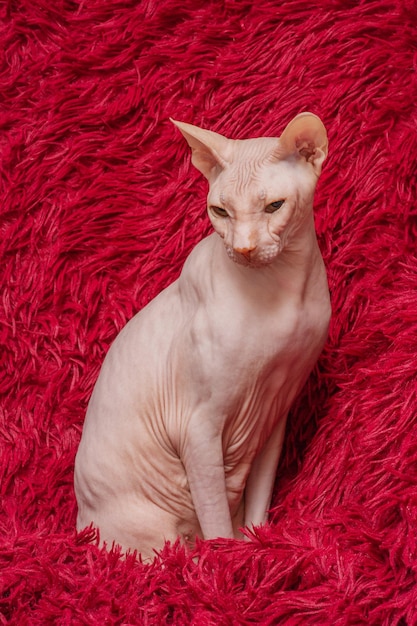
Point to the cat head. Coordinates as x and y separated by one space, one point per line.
260 190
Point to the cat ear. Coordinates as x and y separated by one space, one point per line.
306 137
210 151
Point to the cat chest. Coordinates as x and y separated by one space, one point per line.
285 341
267 368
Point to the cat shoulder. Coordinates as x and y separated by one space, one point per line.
200 258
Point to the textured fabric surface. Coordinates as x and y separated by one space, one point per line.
100 207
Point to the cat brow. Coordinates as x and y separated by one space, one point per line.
261 195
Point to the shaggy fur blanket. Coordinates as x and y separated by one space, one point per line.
99 208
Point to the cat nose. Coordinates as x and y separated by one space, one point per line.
245 251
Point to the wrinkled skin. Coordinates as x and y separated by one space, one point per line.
185 425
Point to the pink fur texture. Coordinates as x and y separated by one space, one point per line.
99 209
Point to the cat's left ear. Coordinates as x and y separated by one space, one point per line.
210 151
306 137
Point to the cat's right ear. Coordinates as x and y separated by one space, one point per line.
210 151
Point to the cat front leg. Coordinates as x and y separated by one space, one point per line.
260 482
202 458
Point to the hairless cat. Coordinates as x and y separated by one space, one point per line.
185 425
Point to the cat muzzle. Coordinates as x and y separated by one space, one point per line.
246 252
254 257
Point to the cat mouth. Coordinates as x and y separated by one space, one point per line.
254 260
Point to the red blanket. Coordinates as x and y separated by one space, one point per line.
99 208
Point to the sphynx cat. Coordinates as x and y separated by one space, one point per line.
185 425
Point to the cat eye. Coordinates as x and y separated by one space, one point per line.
219 211
274 206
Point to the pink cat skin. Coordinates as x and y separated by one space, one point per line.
185 425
